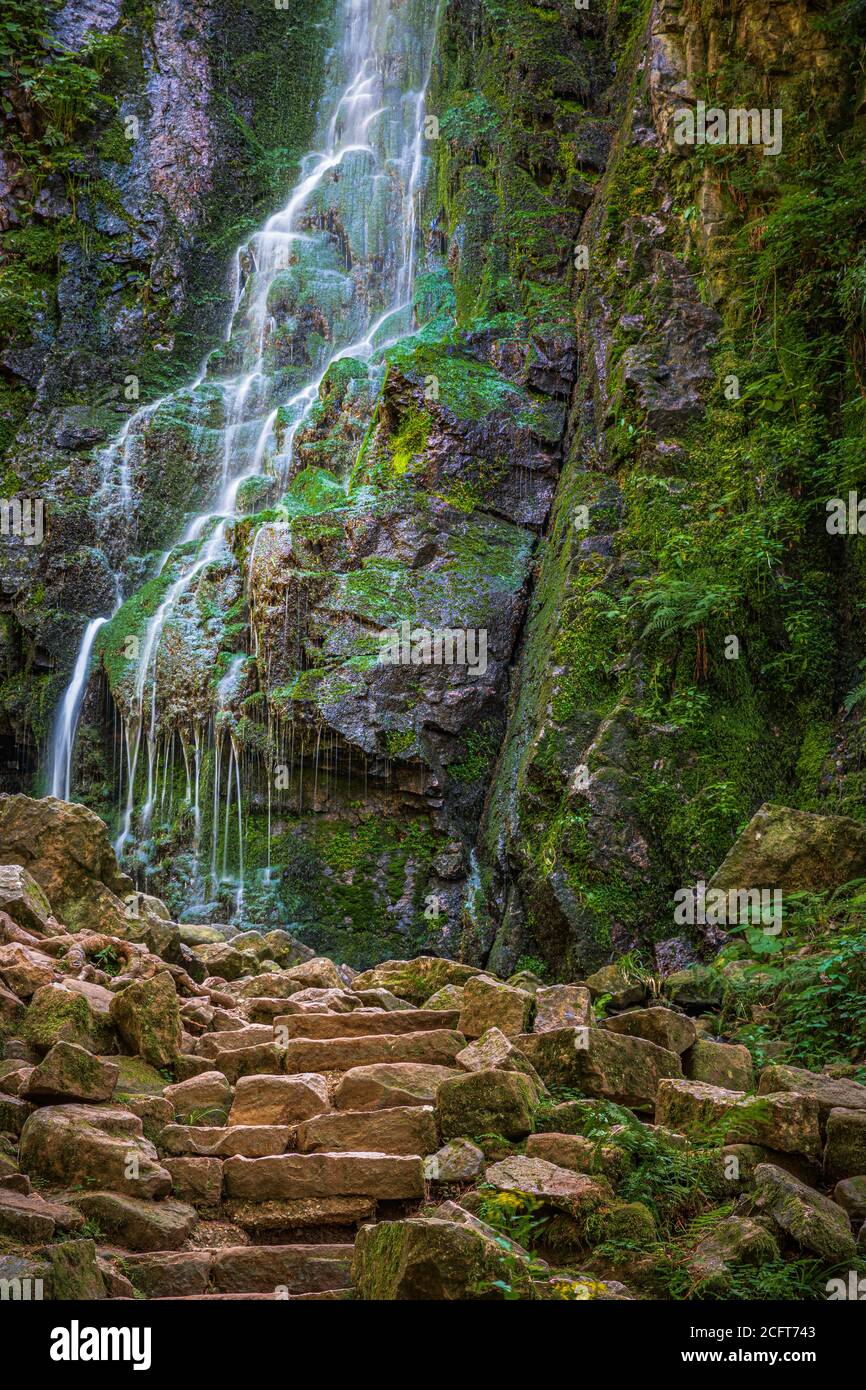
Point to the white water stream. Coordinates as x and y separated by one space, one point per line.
366 177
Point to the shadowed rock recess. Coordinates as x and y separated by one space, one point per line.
432 674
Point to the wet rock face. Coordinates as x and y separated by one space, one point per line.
140 289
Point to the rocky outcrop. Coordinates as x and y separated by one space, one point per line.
338 1139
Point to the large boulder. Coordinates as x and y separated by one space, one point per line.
457 1161
148 1019
24 970
850 1193
490 1004
29 1218
845 1154
806 1217
207 1096
428 1258
579 1154
64 1012
405 1129
785 1122
70 1072
67 850
789 849
561 1189
697 988
486 1102
92 1146
493 1051
385 1084
415 979
562 1006
75 1272
22 898
279 1100
606 1065
317 973
138 1224
665 1027
618 986
831 1093
720 1064
737 1240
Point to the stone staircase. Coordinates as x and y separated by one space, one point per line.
330 1119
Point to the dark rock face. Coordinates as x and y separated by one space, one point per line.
575 453
164 190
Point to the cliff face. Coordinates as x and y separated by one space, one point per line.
141 142
634 378
691 650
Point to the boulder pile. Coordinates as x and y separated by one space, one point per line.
196 1113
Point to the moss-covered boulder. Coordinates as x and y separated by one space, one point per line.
631 1224
70 1072
601 1064
850 1193
562 1006
416 979
58 1013
697 988
430 1258
22 898
845 1154
493 1051
584 1200
803 1216
486 1102
75 1272
737 1240
784 1122
138 1224
720 1064
664 1027
66 848
457 1161
789 849
92 1146
578 1153
147 1016
619 986
831 1092
448 997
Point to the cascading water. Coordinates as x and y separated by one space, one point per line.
356 288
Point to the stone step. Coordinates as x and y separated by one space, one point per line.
389 1177
364 1023
436 1046
262 1059
402 1130
286 1219
212 1044
227 1141
383 1086
275 1270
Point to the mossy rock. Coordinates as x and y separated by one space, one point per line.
56 1014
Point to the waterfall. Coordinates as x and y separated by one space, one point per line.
363 176
67 720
